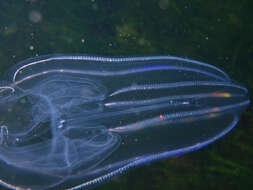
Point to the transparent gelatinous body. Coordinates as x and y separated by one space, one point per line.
76 121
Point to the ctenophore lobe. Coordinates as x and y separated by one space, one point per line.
76 121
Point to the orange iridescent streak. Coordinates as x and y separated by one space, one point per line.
212 115
221 94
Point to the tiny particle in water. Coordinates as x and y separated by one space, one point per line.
35 16
31 48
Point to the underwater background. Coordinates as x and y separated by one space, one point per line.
216 32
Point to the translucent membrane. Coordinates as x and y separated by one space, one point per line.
76 121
